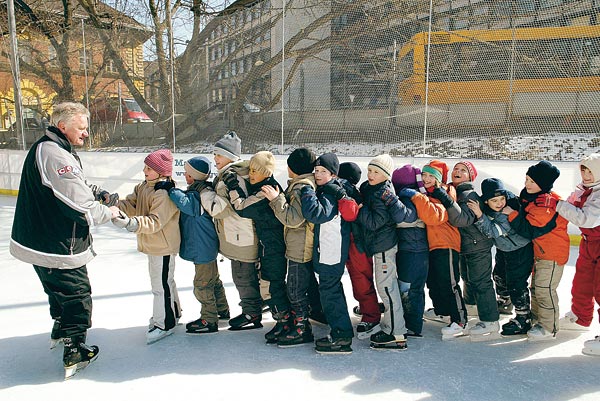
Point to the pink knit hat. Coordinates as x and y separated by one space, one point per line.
160 161
470 167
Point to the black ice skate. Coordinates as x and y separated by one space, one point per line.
505 306
328 345
298 334
224 315
382 340
520 324
77 355
282 324
245 322
55 334
201 326
357 312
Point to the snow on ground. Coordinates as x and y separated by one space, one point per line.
239 365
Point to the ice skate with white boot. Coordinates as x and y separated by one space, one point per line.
569 322
430 314
592 347
454 331
539 333
77 355
156 333
484 331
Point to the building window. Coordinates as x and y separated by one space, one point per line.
110 67
85 58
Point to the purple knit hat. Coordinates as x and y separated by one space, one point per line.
408 176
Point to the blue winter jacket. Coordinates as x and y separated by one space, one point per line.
379 221
332 233
412 237
199 240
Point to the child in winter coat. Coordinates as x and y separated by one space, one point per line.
444 247
330 251
380 240
551 250
582 208
237 236
359 265
149 213
514 252
298 235
200 245
475 261
412 259
269 230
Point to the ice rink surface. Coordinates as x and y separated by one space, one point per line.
239 365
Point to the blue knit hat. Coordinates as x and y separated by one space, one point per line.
198 168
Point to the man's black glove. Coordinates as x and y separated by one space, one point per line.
231 181
334 190
107 198
166 185
441 195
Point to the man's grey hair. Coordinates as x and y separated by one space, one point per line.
67 111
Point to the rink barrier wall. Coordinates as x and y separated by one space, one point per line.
120 172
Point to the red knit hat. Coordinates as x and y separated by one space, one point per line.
160 161
471 167
438 169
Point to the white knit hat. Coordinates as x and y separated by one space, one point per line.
592 162
383 163
263 162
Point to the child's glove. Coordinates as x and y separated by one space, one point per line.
231 181
407 193
166 185
334 190
546 200
441 195
130 224
387 196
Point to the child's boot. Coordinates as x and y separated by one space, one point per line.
245 322
77 355
520 324
282 323
298 334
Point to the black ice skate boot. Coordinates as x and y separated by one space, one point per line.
201 326
329 345
298 334
55 334
245 322
383 340
282 324
520 324
77 355
505 306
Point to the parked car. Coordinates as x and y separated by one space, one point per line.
106 110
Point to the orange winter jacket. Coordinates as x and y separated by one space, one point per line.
552 246
440 234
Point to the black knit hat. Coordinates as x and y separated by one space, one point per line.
350 171
543 174
301 161
329 161
492 187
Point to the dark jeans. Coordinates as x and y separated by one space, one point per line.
273 270
314 297
298 281
333 300
412 275
70 297
516 266
245 278
443 283
476 271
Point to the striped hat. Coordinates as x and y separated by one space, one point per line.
160 161
384 163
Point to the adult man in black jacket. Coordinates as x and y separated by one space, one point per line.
55 209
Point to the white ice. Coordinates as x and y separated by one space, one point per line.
239 365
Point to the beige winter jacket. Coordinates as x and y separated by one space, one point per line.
237 236
298 233
158 218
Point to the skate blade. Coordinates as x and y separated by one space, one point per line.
196 333
55 343
478 338
589 351
323 352
152 341
295 345
540 339
437 320
247 327
389 346
455 337
71 371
